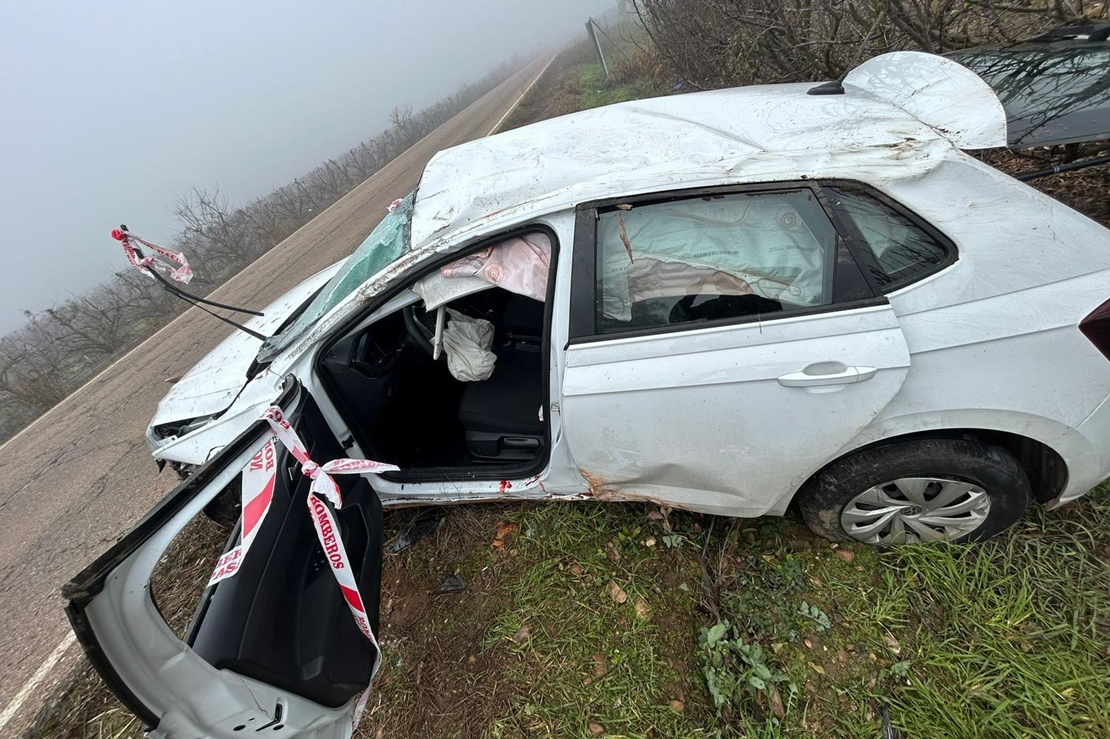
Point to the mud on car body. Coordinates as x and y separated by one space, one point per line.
726 302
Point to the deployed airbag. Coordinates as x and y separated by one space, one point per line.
519 265
467 342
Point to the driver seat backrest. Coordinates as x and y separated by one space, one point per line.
522 320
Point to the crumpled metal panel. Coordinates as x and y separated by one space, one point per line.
214 382
939 92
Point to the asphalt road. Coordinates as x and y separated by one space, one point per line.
76 480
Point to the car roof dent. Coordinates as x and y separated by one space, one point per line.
894 99
937 91
703 139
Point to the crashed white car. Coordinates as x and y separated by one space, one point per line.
727 302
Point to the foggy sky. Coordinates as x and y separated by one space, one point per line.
112 110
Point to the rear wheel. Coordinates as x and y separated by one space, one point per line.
914 491
226 507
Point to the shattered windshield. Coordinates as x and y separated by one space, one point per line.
1053 94
385 245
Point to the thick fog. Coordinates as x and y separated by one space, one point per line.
113 110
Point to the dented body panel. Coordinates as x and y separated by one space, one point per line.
735 439
210 386
905 146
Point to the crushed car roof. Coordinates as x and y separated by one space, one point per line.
890 100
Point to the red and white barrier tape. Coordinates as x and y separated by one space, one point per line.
259 477
181 273
322 482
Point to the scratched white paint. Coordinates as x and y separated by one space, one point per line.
937 91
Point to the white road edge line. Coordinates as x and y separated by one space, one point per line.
32 684
524 94
17 702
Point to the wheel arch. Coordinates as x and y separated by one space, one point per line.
1045 467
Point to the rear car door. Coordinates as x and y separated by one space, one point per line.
724 344
274 648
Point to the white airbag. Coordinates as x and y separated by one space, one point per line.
467 342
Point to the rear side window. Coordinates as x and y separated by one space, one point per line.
711 258
902 250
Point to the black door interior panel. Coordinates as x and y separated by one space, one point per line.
282 619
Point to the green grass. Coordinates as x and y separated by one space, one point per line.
594 90
598 639
1006 638
1011 638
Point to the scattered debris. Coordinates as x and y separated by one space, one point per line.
888 727
595 728
523 634
424 522
503 530
452 584
777 707
678 706
616 593
846 554
643 610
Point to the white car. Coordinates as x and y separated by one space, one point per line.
728 302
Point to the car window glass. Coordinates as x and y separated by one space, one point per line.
387 243
903 250
718 257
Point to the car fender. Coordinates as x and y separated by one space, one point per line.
197 447
1078 453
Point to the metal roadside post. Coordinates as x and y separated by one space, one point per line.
590 23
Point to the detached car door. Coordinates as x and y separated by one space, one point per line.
723 345
271 651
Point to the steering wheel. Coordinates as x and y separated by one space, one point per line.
721 306
417 331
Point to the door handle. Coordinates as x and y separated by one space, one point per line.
845 376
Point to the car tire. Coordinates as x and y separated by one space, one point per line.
959 489
226 507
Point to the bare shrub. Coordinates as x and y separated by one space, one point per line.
721 43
